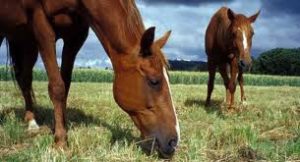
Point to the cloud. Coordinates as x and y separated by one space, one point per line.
277 26
279 7
189 23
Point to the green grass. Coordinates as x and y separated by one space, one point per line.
176 77
268 128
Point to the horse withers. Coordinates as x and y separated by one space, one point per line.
228 42
141 85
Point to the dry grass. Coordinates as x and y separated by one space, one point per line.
266 129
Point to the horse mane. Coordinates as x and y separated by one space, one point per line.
132 26
164 61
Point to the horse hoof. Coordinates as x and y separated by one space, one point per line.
230 107
244 103
60 139
32 125
60 145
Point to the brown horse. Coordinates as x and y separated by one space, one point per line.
228 42
141 84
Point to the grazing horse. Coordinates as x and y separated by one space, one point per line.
228 42
141 84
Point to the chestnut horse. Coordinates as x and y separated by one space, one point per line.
228 42
141 85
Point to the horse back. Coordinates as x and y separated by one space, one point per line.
215 37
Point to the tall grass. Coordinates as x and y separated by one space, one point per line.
176 77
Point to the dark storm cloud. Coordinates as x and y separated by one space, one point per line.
182 2
278 7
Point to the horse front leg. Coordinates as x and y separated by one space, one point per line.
241 83
224 73
45 37
232 81
211 78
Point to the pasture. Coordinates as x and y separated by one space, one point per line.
176 77
267 128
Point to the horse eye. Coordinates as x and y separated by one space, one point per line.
154 83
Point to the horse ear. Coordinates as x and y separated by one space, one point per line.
254 17
147 41
163 40
230 14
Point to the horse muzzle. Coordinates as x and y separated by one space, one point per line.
165 150
244 65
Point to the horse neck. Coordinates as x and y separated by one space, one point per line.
118 26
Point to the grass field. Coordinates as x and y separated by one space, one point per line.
176 77
267 128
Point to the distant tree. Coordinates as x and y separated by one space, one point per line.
278 61
182 65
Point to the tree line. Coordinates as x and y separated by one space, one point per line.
279 61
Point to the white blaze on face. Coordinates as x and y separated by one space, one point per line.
245 41
168 83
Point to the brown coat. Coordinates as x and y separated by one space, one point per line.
228 42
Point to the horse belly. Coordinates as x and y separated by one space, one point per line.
62 20
53 6
12 15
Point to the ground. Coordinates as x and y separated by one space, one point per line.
267 128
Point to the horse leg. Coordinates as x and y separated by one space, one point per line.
45 37
71 47
241 83
232 81
224 73
24 57
210 85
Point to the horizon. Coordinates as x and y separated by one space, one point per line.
188 21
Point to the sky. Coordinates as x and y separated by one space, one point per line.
278 25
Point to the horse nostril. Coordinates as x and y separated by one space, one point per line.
242 63
173 142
